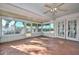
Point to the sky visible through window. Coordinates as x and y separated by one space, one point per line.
3 22
19 24
52 25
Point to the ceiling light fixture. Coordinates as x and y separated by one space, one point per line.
55 9
51 10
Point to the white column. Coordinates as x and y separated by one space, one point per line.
0 28
77 30
42 29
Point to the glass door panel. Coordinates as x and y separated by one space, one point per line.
61 28
72 28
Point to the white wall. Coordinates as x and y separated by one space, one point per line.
8 38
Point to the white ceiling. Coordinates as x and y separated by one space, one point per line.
37 10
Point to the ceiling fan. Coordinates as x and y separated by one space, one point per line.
54 8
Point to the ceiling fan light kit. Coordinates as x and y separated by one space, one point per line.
54 8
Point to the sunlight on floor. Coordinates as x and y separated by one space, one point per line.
37 42
31 49
44 38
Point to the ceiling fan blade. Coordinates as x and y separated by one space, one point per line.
59 5
46 11
48 6
64 10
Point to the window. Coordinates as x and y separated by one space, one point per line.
34 27
28 27
12 27
51 27
8 26
48 27
28 30
39 28
19 27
